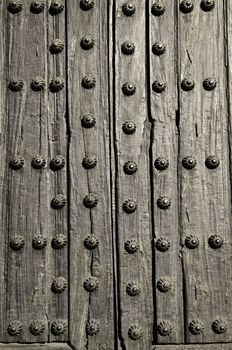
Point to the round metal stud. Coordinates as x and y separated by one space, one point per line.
37 327
91 242
90 200
88 121
187 84
129 127
163 244
38 162
209 84
39 242
92 327
88 82
15 6
207 5
15 328
191 242
165 328
189 162
186 6
133 289
58 201
129 206
128 48
89 161
161 163
158 9
163 202
135 332
15 85
57 163
128 88
59 327
219 326
37 6
17 242
91 284
215 241
131 245
158 86
128 9
56 84
86 5
59 241
130 167
196 327
164 285
16 163
38 84
59 285
212 162
158 48
87 42
56 7
57 46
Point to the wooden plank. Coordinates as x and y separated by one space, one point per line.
194 347
133 268
84 263
167 264
205 206
55 346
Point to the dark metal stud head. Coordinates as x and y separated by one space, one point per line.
39 242
58 201
57 46
158 48
187 84
91 284
37 327
15 6
15 85
59 327
191 242
165 328
215 241
38 162
164 285
189 162
162 244
196 327
128 88
88 121
59 241
131 245
161 163
86 5
209 84
15 328
158 9
212 162
207 5
128 9
129 127
135 332
37 6
130 167
129 206
133 289
89 161
92 327
57 163
56 84
59 285
38 84
128 48
186 6
163 202
17 242
91 242
219 326
158 86
56 7
88 82
87 42
90 200
16 163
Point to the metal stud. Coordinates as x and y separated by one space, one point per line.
37 327
128 88
87 42
89 161
91 242
39 242
38 162
163 244
88 121
15 328
92 327
90 200
130 167
129 206
161 163
163 202
59 285
191 242
131 245
59 327
17 242
158 86
196 327
158 48
58 201
16 163
59 241
207 5
187 84
215 241
57 163
133 289
209 84
128 48
56 84
88 82
57 46
164 285
158 8
38 84
219 326
189 162
128 9
165 328
129 127
15 6
86 5
56 7
186 6
135 332
91 284
15 85
37 6
212 162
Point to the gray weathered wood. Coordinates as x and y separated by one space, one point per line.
194 347
52 346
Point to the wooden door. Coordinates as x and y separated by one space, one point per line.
115 177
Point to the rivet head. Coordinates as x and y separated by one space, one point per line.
59 241
128 9
186 6
57 163
88 121
38 162
91 284
196 327
37 327
58 201
163 244
135 332
38 84
207 5
56 7
59 285
129 127
131 245
128 88
133 289
88 82
91 242
59 327
130 167
15 6
158 48
17 242
37 6
90 201
87 42
165 328
89 161
15 328
56 46
56 84
158 9
15 84
215 241
86 5
163 202
39 242
161 163
187 84
219 326
16 163
93 327
129 206
212 162
189 162
164 285
191 242
128 48
209 84
158 86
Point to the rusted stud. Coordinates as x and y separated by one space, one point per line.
39 242
59 285
215 241
212 162
57 162
15 328
209 84
196 327
38 162
191 242
16 85
129 206
15 6
129 127
17 242
37 6
59 327
128 48
161 163
131 245
207 5
56 46
56 84
59 241
128 88
89 161
58 201
159 86
88 121
165 328
158 48
135 332
56 7
90 201
158 9
133 289
86 5
91 242
128 9
163 202
189 162
130 167
16 163
164 285
187 84
92 327
163 244
219 326
88 82
87 42
186 6
91 284
37 327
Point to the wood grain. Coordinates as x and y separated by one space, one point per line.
52 346
194 347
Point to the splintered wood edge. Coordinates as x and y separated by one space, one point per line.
34 346
212 346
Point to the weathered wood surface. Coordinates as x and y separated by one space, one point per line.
51 346
194 347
